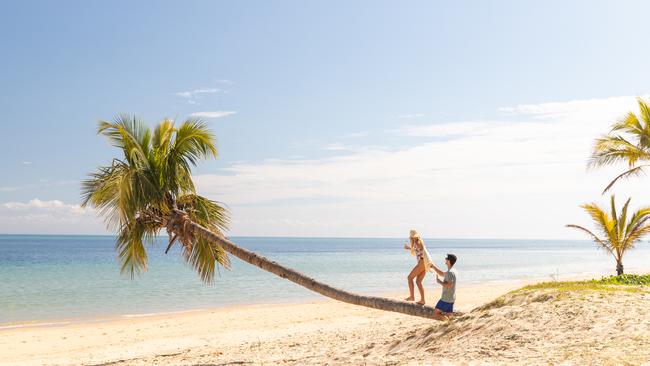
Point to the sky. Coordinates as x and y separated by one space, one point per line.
464 119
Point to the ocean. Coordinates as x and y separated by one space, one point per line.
48 278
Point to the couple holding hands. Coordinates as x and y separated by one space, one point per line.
446 304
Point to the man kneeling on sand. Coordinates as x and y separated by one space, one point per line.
445 307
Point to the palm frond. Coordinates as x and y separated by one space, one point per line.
636 171
130 246
644 110
204 256
205 212
194 141
129 134
201 254
622 220
638 225
103 191
637 233
613 149
602 220
184 182
601 243
629 123
632 148
162 136
612 210
127 186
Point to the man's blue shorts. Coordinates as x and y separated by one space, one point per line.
445 307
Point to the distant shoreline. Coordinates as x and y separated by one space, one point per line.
317 237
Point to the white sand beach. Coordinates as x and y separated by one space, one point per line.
253 334
529 328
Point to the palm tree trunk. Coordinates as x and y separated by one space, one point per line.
380 303
619 268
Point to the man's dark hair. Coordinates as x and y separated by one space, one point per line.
452 259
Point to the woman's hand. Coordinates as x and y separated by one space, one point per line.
407 247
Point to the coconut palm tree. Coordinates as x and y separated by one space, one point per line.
150 188
628 141
619 232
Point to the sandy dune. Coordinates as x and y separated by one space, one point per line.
577 327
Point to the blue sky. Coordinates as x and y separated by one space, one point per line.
311 87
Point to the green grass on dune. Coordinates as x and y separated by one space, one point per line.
557 290
626 279
625 282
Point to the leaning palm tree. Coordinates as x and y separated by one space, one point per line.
150 188
619 232
628 141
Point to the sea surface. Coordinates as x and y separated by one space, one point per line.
47 278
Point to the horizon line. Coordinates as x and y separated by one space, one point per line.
312 237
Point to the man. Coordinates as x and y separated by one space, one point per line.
445 306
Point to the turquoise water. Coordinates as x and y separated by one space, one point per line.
65 277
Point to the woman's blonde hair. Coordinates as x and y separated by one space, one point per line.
414 236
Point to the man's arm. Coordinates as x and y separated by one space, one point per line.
445 284
438 271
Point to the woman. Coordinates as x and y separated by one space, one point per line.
417 248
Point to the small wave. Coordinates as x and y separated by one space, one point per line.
30 325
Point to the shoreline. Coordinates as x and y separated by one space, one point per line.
102 318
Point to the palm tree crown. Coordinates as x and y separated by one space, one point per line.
618 232
138 193
628 141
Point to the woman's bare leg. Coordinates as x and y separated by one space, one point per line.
418 280
414 273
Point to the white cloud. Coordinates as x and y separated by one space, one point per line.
410 116
575 108
498 179
213 114
193 93
48 216
54 205
26 162
446 129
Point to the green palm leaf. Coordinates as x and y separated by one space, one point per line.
632 148
619 232
136 193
